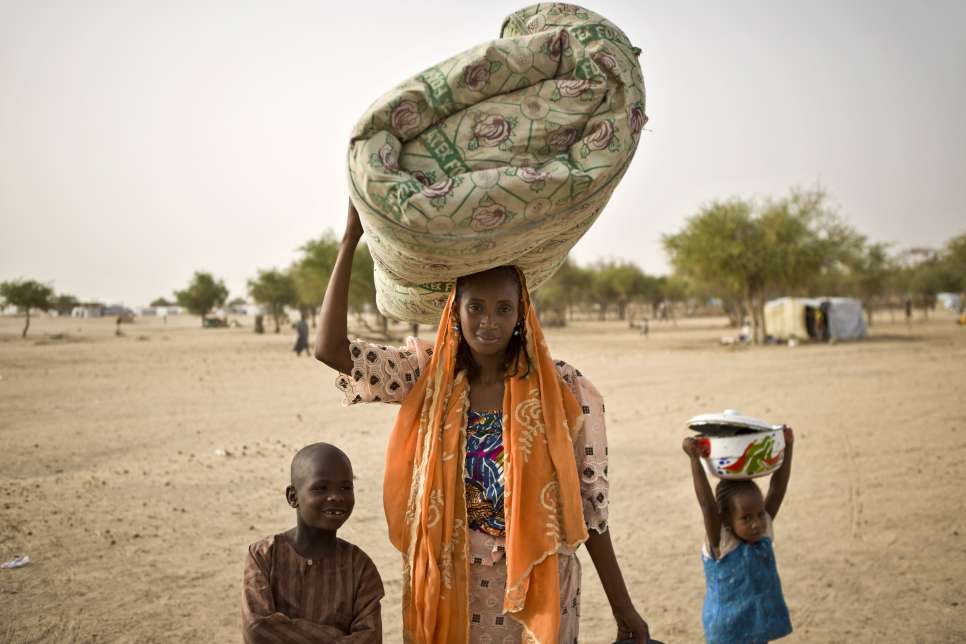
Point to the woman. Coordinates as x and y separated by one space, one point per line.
496 466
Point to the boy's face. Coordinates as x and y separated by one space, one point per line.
748 516
323 494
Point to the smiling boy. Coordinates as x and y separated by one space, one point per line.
306 584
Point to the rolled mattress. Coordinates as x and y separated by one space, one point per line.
503 154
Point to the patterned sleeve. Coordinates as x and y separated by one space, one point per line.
590 448
381 373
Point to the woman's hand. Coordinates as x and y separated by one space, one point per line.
631 626
353 225
789 435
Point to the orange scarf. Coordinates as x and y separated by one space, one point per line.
425 499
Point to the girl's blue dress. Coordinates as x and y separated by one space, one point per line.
744 602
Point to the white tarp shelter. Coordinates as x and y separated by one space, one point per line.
86 312
799 317
952 301
247 309
159 311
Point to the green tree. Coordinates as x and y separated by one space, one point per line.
750 253
870 274
273 289
721 247
312 271
568 288
632 285
203 294
927 272
362 287
954 264
669 289
64 304
27 295
161 301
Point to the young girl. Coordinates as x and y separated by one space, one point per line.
743 603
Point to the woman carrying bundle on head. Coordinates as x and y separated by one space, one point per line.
496 465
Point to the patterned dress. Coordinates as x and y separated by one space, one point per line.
386 374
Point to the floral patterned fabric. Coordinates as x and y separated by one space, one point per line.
484 472
488 622
386 374
504 154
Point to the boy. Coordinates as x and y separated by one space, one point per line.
307 585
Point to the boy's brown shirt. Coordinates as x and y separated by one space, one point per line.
287 598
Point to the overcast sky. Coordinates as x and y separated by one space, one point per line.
139 143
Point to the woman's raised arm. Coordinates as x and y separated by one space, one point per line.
332 343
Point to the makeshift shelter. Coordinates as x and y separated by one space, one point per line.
821 318
86 311
951 301
159 311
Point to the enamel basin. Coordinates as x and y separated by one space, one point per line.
738 446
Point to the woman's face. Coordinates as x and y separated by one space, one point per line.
489 310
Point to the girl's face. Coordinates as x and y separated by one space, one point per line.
489 310
747 518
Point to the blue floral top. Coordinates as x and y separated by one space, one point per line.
484 472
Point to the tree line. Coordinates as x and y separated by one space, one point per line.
736 252
746 252
299 286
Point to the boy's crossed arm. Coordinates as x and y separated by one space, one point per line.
263 624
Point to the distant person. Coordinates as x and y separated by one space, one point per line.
743 602
259 323
908 310
117 326
302 341
306 584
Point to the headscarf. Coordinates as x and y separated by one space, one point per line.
425 499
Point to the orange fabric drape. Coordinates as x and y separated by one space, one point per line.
425 500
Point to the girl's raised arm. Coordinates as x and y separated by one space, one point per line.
332 343
702 489
779 480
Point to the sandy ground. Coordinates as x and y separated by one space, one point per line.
110 481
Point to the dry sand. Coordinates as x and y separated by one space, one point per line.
110 481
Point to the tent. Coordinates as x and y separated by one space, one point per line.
819 318
951 301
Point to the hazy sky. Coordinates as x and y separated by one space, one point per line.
139 143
